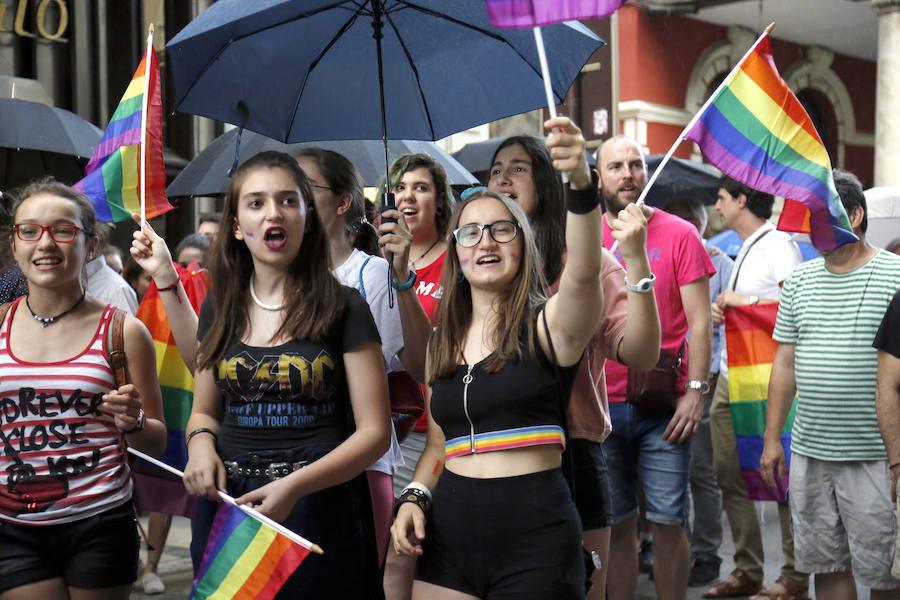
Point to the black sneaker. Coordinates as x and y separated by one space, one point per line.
704 572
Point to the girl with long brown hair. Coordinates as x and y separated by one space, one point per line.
500 519
290 397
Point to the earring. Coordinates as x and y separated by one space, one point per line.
460 278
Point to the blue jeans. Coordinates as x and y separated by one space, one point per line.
636 449
338 518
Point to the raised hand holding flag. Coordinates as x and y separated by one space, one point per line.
126 173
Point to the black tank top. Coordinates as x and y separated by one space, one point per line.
514 407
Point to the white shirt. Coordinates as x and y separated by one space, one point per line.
106 285
761 267
374 278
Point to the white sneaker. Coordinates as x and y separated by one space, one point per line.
152 584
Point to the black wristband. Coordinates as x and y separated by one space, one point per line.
581 202
416 496
198 431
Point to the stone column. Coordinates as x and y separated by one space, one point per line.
887 99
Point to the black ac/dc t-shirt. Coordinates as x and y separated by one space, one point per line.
289 395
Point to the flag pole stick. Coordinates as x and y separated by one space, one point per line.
144 100
545 71
545 75
683 135
246 509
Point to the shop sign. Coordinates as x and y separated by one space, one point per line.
45 27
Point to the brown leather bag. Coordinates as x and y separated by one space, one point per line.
656 390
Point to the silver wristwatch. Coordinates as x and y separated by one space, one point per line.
700 386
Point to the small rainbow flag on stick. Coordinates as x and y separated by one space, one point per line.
248 555
518 14
126 173
755 130
244 558
751 350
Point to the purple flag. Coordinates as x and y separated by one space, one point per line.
518 14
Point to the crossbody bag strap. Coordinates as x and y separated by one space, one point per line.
744 258
362 285
568 467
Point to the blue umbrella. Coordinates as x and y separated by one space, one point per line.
305 70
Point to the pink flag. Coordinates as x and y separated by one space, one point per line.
518 14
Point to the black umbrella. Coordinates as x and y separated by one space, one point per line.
681 178
476 156
36 126
206 175
36 139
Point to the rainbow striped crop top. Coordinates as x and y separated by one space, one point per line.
515 407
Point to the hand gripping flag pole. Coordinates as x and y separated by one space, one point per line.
246 509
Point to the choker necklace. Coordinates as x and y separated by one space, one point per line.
44 321
413 262
257 301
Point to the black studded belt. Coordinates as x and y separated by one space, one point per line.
273 471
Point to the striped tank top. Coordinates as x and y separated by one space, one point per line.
62 458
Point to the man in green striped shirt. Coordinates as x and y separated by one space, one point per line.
830 310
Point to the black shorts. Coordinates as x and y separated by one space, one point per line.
592 491
515 537
95 552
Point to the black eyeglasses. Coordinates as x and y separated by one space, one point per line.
61 233
501 231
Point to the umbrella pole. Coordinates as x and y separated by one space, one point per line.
388 203
377 25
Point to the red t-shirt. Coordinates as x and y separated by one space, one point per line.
429 291
677 258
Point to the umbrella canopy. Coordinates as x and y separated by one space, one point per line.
476 156
206 175
681 178
36 139
36 126
303 70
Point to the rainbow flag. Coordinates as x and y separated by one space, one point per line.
755 130
518 14
244 558
155 490
113 175
175 381
751 350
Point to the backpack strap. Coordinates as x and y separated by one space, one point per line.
4 308
362 286
116 348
